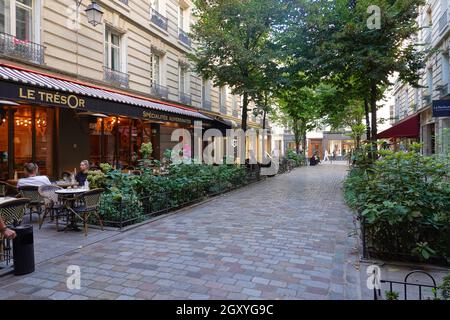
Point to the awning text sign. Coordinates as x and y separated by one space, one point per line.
41 96
441 108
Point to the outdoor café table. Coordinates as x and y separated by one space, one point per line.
68 197
66 184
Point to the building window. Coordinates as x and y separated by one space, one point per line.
183 76
112 50
155 69
181 19
24 23
22 26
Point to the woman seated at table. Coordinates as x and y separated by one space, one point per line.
32 178
82 175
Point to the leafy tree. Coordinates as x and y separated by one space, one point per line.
331 40
234 43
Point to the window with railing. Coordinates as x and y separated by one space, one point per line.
158 19
443 20
113 66
185 98
16 31
159 90
184 38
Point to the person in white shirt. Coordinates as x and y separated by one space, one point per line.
326 158
32 179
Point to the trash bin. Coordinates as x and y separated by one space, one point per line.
23 250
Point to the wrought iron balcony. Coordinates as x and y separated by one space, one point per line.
235 113
158 19
428 37
21 49
443 21
185 98
427 99
184 37
223 109
125 2
206 104
159 91
115 77
443 90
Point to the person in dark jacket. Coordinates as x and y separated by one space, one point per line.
81 176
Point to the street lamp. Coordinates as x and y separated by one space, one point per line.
94 12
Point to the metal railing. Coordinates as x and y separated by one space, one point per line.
443 21
206 104
235 113
125 2
21 49
158 19
159 90
223 109
123 213
184 37
116 77
444 90
405 285
185 98
428 37
427 99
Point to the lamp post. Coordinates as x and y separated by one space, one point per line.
94 15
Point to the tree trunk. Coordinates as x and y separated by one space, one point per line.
304 144
373 107
297 136
264 119
366 111
244 111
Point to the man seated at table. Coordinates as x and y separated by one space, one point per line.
32 179
81 176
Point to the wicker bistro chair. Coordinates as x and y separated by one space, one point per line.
90 202
52 204
36 201
7 189
12 213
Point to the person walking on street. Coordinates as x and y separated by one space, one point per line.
326 157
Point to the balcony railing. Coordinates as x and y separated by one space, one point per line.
185 98
125 2
427 99
115 77
159 91
21 49
206 104
223 109
158 19
184 37
235 113
443 90
428 37
443 21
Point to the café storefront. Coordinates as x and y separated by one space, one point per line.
57 122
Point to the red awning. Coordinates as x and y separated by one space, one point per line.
407 128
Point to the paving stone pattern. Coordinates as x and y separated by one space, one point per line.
287 237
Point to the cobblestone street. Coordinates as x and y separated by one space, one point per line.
287 237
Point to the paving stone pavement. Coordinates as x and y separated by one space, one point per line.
287 237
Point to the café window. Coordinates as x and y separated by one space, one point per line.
21 26
112 49
33 139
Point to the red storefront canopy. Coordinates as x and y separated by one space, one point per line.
407 128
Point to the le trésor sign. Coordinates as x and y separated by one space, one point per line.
441 108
